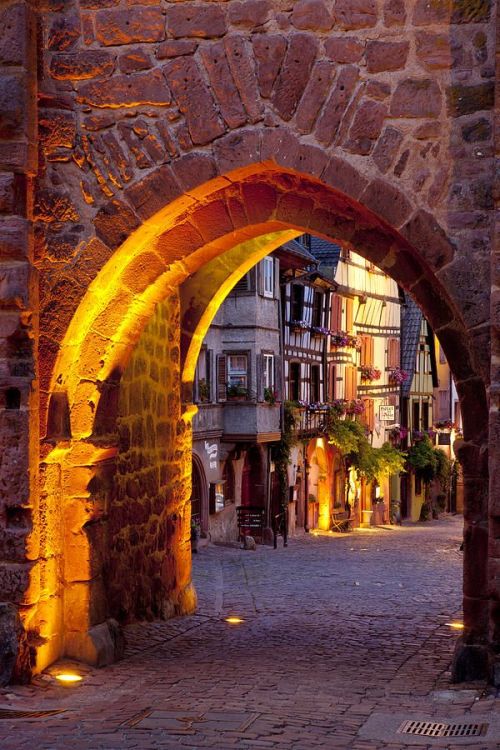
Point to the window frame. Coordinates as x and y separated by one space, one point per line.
268 275
268 369
237 372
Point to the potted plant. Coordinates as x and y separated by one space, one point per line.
204 390
236 392
369 372
270 396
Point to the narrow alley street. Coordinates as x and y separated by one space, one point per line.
343 638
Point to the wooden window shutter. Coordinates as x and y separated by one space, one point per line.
221 377
276 278
336 314
210 367
332 375
349 307
260 277
393 353
278 375
354 382
372 350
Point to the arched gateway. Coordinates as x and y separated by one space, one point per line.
179 143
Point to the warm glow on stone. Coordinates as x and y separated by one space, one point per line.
455 625
68 677
234 620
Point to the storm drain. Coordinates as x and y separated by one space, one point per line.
10 713
436 729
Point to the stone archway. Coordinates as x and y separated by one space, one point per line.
167 137
139 292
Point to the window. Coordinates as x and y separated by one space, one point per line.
297 302
444 404
317 313
268 367
425 416
268 277
393 357
237 370
203 376
216 497
416 415
294 381
315 384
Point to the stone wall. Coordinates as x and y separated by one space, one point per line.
148 528
367 121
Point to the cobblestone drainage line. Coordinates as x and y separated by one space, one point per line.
437 729
9 713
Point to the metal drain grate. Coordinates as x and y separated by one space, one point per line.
439 729
10 713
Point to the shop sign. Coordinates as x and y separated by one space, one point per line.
387 413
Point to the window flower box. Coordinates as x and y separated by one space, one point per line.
341 339
236 393
319 331
298 326
369 372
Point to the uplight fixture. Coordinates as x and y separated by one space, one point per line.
233 620
455 625
68 677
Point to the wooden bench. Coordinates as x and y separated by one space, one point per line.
341 520
250 521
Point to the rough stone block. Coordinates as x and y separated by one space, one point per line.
366 127
81 65
344 177
387 202
269 52
394 13
294 74
314 96
223 86
114 222
127 91
424 233
14 37
249 13
433 50
154 192
344 49
387 148
333 112
416 98
63 33
176 48
311 15
12 643
204 21
382 56
356 14
128 26
465 100
13 102
194 100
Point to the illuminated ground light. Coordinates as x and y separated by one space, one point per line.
68 678
455 625
234 620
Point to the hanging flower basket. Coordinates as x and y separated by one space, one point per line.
355 407
398 376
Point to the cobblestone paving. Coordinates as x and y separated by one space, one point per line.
344 637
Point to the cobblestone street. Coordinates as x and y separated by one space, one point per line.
344 637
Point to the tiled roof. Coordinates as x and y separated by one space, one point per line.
297 249
328 253
411 322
